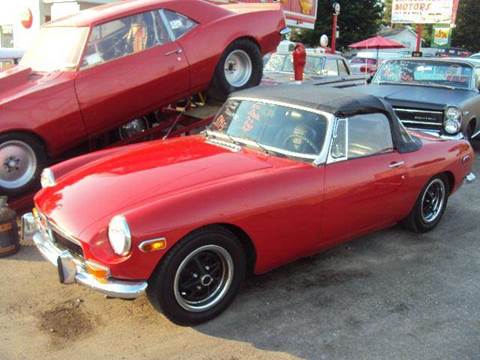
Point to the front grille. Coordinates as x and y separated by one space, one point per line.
420 119
65 244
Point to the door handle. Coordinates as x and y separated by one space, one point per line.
396 164
176 51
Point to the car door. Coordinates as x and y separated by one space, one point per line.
364 178
130 67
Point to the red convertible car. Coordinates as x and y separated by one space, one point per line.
282 173
108 66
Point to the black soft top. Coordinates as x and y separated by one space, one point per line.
339 102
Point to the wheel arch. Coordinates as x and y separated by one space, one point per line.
241 235
451 180
248 38
472 121
246 242
30 133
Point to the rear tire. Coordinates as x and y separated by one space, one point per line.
199 277
240 67
430 206
22 159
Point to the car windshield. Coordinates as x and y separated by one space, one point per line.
284 63
56 49
281 129
428 72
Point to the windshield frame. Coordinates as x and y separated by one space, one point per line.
81 47
448 62
316 160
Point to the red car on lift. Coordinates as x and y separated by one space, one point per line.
108 66
283 172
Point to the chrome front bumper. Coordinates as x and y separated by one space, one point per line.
72 269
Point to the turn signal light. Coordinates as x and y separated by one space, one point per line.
153 245
99 272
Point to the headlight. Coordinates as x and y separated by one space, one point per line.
453 120
119 235
47 178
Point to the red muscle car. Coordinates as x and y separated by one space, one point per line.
282 172
95 71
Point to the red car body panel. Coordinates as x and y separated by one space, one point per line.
66 108
288 209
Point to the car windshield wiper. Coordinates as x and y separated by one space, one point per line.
265 149
216 135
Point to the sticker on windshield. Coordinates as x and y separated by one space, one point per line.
220 123
176 24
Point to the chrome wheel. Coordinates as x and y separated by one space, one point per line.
433 201
18 164
238 68
203 278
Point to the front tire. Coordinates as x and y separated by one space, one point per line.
22 158
199 277
430 206
240 67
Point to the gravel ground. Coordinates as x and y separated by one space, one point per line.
390 295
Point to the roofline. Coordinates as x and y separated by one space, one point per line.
465 61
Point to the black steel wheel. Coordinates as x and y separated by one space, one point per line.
199 277
430 206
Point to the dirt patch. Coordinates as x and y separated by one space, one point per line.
66 321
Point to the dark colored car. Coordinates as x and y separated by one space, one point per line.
439 96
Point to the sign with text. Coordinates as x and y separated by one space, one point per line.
441 36
422 11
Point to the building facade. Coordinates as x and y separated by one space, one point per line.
20 20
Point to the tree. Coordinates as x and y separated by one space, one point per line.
467 33
358 20
387 12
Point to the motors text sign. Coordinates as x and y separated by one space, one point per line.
422 11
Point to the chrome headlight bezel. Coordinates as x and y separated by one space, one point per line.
453 120
47 178
119 235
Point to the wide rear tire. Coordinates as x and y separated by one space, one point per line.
240 67
199 277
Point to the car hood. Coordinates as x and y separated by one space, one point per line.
272 78
19 81
421 95
118 183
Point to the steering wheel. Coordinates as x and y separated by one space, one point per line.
304 140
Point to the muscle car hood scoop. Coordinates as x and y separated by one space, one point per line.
118 183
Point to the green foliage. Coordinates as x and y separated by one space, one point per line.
358 20
387 12
467 33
